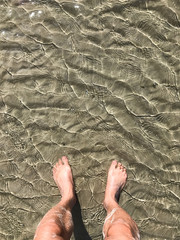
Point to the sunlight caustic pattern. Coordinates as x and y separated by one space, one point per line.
96 81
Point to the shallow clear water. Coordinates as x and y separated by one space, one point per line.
93 80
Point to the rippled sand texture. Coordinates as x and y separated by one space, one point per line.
95 81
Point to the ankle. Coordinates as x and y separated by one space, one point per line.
68 202
109 203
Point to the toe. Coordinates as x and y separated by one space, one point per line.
119 165
113 164
124 169
54 170
60 162
65 160
56 166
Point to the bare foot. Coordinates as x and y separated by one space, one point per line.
115 182
62 175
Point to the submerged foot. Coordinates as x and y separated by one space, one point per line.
116 180
62 175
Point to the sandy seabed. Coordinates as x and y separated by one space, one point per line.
93 80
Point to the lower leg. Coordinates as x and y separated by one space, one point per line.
57 224
118 223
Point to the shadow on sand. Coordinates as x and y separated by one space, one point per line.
80 232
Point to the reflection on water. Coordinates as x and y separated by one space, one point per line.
93 80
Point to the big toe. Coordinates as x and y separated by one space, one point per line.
113 165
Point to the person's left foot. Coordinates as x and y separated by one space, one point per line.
116 180
62 175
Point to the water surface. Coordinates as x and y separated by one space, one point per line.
93 80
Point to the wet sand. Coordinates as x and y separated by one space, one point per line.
95 81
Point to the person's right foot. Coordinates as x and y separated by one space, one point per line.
63 177
116 180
